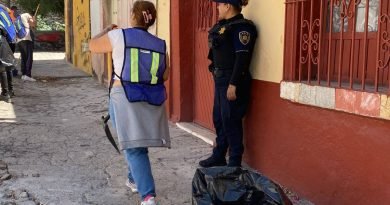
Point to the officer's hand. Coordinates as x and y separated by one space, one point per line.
211 67
231 93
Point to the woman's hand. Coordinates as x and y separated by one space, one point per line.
110 27
231 93
101 43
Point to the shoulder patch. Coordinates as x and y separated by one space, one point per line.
245 37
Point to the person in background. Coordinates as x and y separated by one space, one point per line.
7 61
231 43
8 38
24 24
137 96
12 13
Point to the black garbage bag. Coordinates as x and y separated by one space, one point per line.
235 186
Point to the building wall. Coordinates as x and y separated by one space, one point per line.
180 89
163 21
68 30
97 25
268 16
326 156
81 34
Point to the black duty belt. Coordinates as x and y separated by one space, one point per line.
222 72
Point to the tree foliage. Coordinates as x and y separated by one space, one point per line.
52 23
46 6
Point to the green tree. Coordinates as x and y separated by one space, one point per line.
46 6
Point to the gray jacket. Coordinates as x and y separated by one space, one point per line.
138 124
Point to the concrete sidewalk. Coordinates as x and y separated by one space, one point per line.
53 145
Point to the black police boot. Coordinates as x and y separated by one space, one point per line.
235 161
213 161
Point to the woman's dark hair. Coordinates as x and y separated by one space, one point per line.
145 13
243 3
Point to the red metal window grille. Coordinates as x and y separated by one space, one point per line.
338 43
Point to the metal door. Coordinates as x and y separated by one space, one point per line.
206 14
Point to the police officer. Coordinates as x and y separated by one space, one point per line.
231 43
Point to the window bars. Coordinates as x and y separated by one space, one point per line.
338 43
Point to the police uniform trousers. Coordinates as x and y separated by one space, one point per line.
227 118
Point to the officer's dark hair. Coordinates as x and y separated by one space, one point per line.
243 3
144 13
14 8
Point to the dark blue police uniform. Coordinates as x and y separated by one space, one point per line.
231 45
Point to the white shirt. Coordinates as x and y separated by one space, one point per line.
25 17
118 47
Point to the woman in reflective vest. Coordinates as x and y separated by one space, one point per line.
138 93
7 24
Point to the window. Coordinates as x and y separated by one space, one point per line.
353 51
373 13
341 13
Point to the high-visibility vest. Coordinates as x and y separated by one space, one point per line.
7 24
20 29
143 67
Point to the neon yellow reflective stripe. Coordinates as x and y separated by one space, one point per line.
154 68
18 25
6 19
134 65
1 24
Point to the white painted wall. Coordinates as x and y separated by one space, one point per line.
96 13
96 16
121 11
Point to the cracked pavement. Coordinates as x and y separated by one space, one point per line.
54 147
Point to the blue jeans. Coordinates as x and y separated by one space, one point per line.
138 163
140 170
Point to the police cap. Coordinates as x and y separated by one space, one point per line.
232 2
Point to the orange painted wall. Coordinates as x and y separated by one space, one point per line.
326 156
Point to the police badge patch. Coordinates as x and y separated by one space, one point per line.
245 37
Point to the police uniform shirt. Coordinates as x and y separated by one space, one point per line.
233 43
